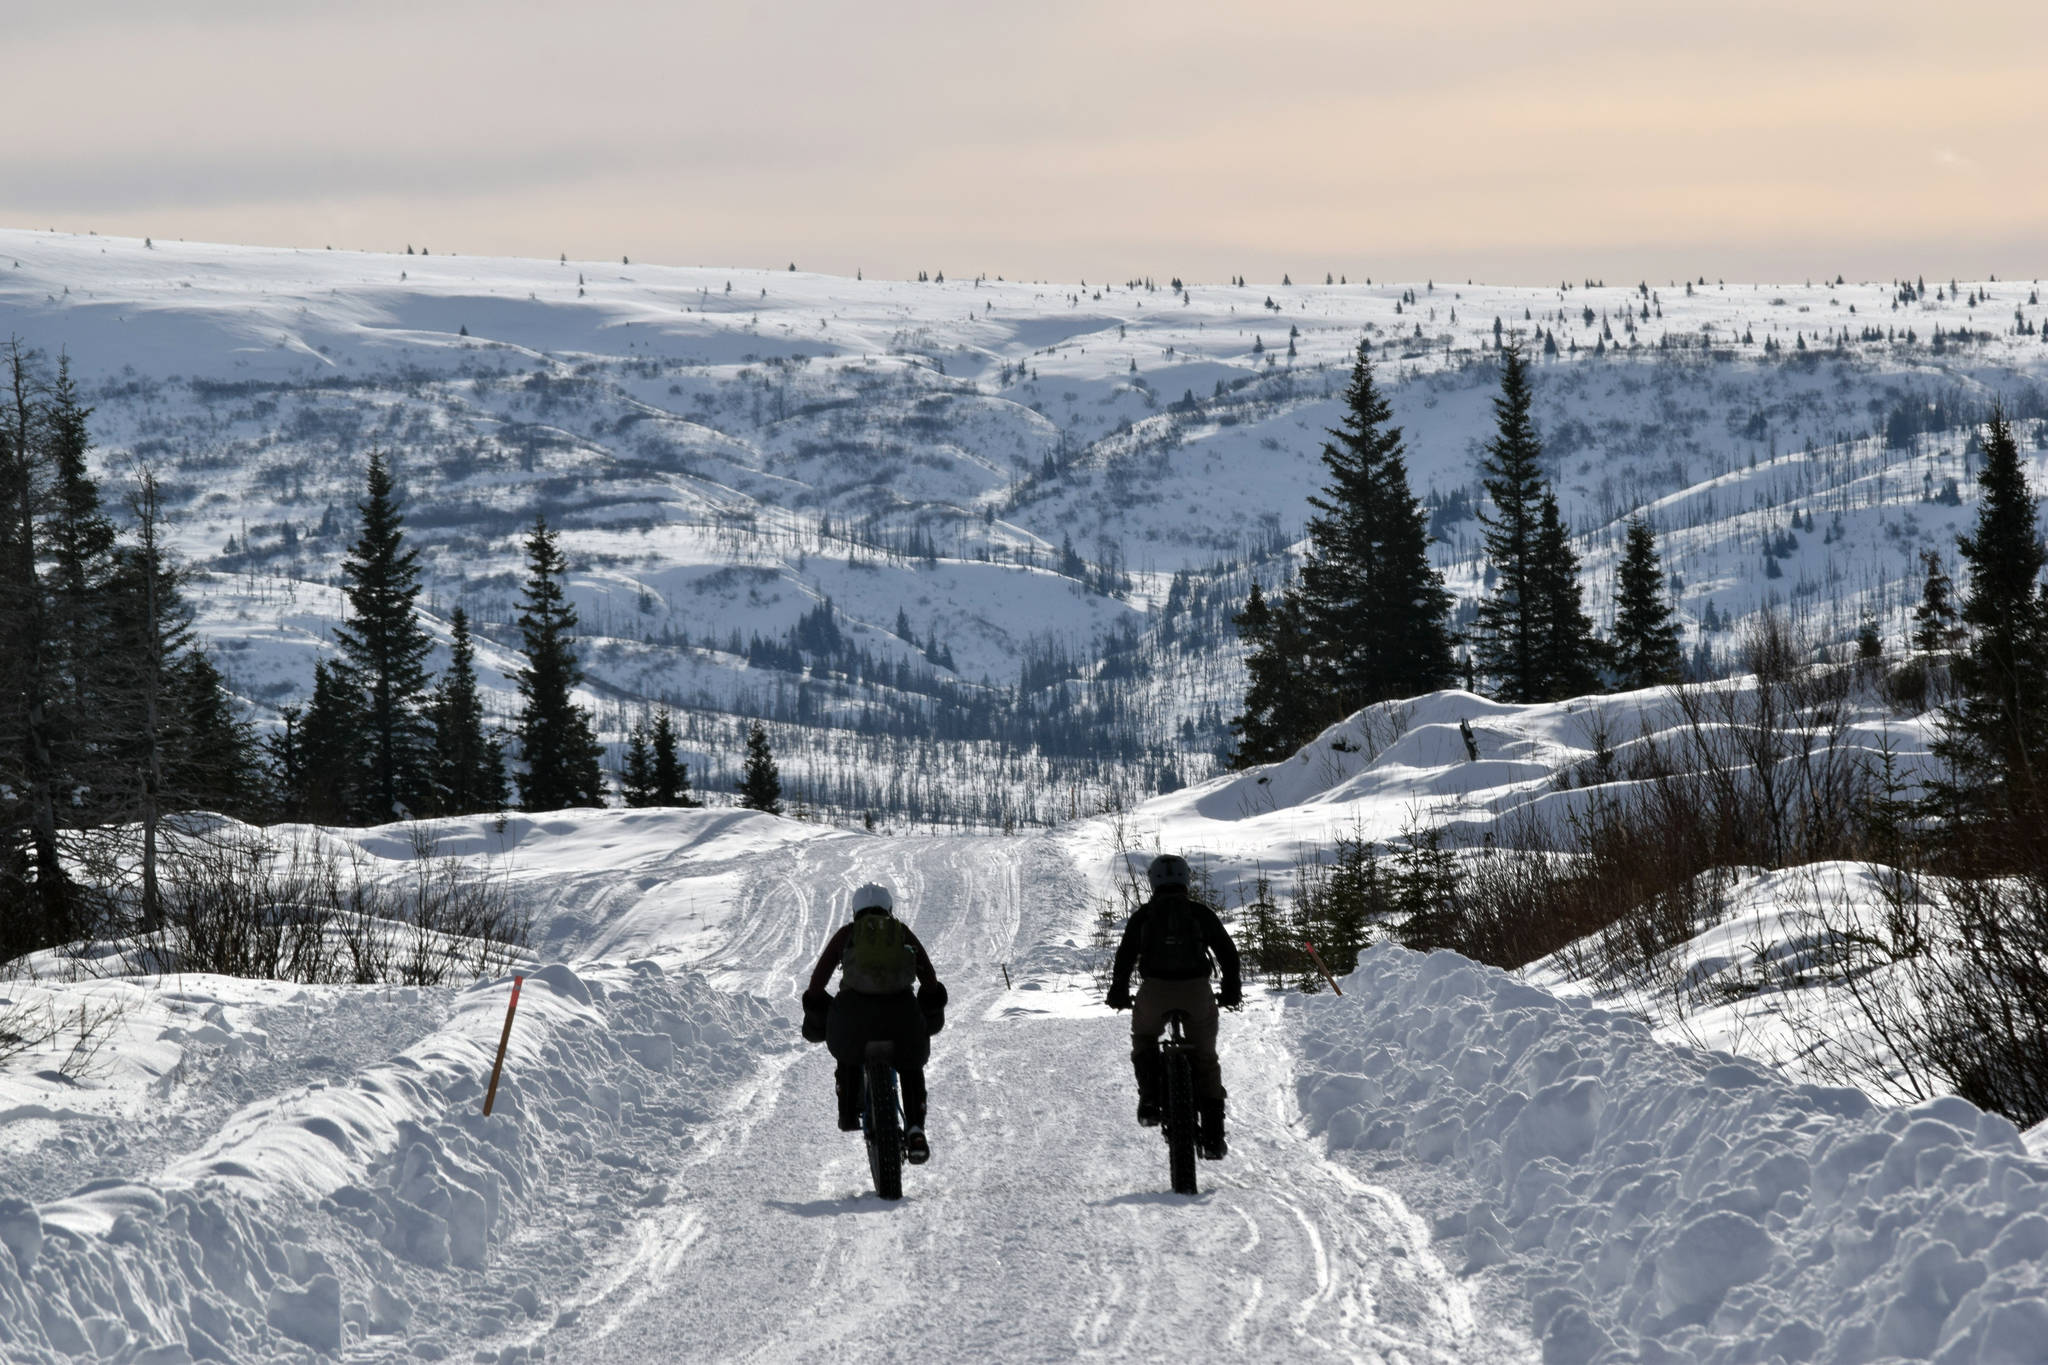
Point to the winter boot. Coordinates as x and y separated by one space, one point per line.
849 1107
916 1150
1146 1066
1209 1143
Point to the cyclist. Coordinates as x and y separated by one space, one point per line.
881 960
1171 939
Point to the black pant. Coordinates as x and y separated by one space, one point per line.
857 1020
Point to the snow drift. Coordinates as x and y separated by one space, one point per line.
319 1217
1658 1203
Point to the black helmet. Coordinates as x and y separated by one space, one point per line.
1169 869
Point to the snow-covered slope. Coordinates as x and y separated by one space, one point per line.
988 462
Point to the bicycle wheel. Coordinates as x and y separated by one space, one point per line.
883 1123
1179 1120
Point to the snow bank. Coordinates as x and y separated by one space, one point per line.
334 1213
1665 1204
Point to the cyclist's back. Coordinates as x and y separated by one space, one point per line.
1172 941
879 961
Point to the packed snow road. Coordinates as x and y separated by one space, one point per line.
1041 1230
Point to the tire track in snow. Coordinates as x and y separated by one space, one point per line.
1042 1229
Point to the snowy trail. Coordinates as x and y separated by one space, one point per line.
1041 1230
663 1179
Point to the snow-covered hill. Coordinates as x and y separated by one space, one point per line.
979 471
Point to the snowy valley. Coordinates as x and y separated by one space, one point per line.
971 545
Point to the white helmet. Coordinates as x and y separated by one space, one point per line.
874 896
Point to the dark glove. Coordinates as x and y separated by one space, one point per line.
1231 996
816 1005
932 1001
1119 997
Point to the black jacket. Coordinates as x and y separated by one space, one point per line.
1214 937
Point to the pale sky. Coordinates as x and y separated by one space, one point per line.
1517 142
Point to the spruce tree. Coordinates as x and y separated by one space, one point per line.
36 900
1376 612
327 757
555 734
87 710
670 776
386 650
1569 655
1281 710
636 770
1934 620
147 624
1507 632
469 763
1645 637
760 783
1996 733
209 759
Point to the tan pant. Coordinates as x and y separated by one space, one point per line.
1148 1021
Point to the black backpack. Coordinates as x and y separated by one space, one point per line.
878 959
1171 948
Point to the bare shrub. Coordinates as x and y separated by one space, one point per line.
31 1022
1871 1032
1943 989
238 903
1756 773
1987 1025
23 1028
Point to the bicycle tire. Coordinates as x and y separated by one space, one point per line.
1179 1124
884 1130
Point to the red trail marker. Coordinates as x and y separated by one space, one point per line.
1313 956
491 1095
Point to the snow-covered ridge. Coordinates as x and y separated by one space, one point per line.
1402 766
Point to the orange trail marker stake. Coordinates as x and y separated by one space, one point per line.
491 1096
1313 956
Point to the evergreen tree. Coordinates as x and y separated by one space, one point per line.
80 539
1569 655
555 734
210 755
326 758
147 624
108 715
1996 733
386 650
1281 710
469 763
181 746
669 777
171 740
36 900
760 783
1645 636
1376 612
1934 621
636 770
1508 630
1425 903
